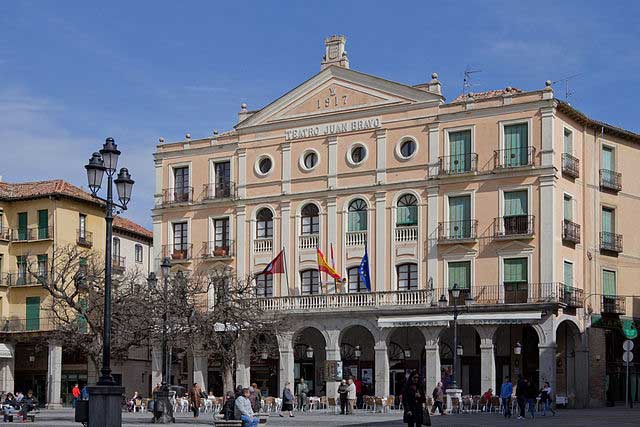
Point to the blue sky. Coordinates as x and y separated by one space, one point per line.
75 72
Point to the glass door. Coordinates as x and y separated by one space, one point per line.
222 172
460 217
460 151
515 145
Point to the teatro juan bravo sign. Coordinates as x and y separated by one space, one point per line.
331 129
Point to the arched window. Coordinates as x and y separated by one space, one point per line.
357 215
310 280
407 277
310 219
264 285
264 224
356 284
407 210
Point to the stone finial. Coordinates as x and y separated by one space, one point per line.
243 107
215 131
161 140
547 83
547 92
434 76
434 84
335 52
187 135
508 88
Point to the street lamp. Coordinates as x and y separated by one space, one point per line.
459 351
309 352
264 355
163 409
517 350
358 352
106 160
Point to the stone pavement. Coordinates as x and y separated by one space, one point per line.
566 418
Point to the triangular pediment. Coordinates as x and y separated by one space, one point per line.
336 90
458 251
514 248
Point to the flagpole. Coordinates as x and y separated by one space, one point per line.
318 263
333 264
286 274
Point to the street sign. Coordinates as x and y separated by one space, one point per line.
627 357
627 345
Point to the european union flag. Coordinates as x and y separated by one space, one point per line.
363 270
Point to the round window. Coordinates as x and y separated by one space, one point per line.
407 148
358 153
264 165
310 160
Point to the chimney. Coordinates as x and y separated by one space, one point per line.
335 54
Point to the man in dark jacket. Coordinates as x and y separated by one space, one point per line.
413 399
521 396
343 391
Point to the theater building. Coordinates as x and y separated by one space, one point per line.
513 197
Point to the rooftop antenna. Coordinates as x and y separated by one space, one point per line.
466 84
567 92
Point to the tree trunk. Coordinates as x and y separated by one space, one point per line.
228 377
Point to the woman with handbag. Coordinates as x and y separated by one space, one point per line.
413 399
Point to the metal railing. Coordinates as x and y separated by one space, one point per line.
219 191
31 324
513 226
406 233
218 249
570 231
84 238
570 165
610 180
453 231
613 305
264 244
356 238
458 163
573 297
118 263
22 279
177 195
308 241
514 157
611 242
179 252
32 234
5 233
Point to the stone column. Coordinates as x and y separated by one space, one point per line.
241 241
243 363
332 176
333 354
548 228
7 368
432 349
54 376
547 364
156 366
286 167
381 242
432 237
487 357
381 156
201 369
287 364
381 369
242 173
548 118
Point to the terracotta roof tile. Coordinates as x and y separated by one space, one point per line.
477 96
38 189
131 227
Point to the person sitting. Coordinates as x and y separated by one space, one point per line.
28 404
132 402
243 410
228 409
9 405
487 398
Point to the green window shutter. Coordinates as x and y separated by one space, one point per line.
568 275
516 203
43 224
357 221
460 216
407 215
607 220
609 283
22 225
607 158
460 151
515 270
568 142
568 208
33 313
515 144
460 273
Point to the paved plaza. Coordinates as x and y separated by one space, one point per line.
583 417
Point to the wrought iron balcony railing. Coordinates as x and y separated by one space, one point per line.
219 191
570 165
514 157
458 163
29 324
513 226
84 238
177 195
613 305
32 234
570 231
218 249
5 234
178 252
610 180
455 231
610 242
118 263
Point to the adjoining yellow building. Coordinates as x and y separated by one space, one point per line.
36 217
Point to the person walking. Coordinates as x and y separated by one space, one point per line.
506 390
287 400
531 395
75 393
343 391
303 389
351 396
545 397
195 396
84 394
521 396
243 410
358 385
438 399
413 399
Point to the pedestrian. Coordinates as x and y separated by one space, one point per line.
351 396
84 394
243 410
531 395
438 399
303 389
487 396
229 407
358 385
545 397
287 400
9 404
413 399
253 398
343 391
521 396
75 393
258 393
506 390
196 399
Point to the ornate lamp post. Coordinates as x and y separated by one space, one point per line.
104 404
458 349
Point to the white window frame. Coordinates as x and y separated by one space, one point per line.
212 169
170 231
172 168
405 138
212 230
350 160
135 253
510 254
304 154
615 155
566 127
471 257
447 131
256 165
612 269
447 196
573 270
573 206
528 188
528 121
615 216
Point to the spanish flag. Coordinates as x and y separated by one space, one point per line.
323 265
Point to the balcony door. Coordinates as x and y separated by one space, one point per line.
609 290
608 159
460 275
460 217
181 184
180 240
460 151
222 171
21 261
221 236
515 278
516 209
23 220
608 227
43 224
516 145
32 313
567 145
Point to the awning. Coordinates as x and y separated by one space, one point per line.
5 352
463 319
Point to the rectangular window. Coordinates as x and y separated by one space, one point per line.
43 267
516 203
568 276
264 285
460 274
608 283
139 253
515 276
460 151
310 282
221 230
356 284
181 184
115 248
567 146
82 227
32 313
460 217
608 227
180 240
22 225
407 277
516 144
21 261
608 158
43 224
568 207
222 172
